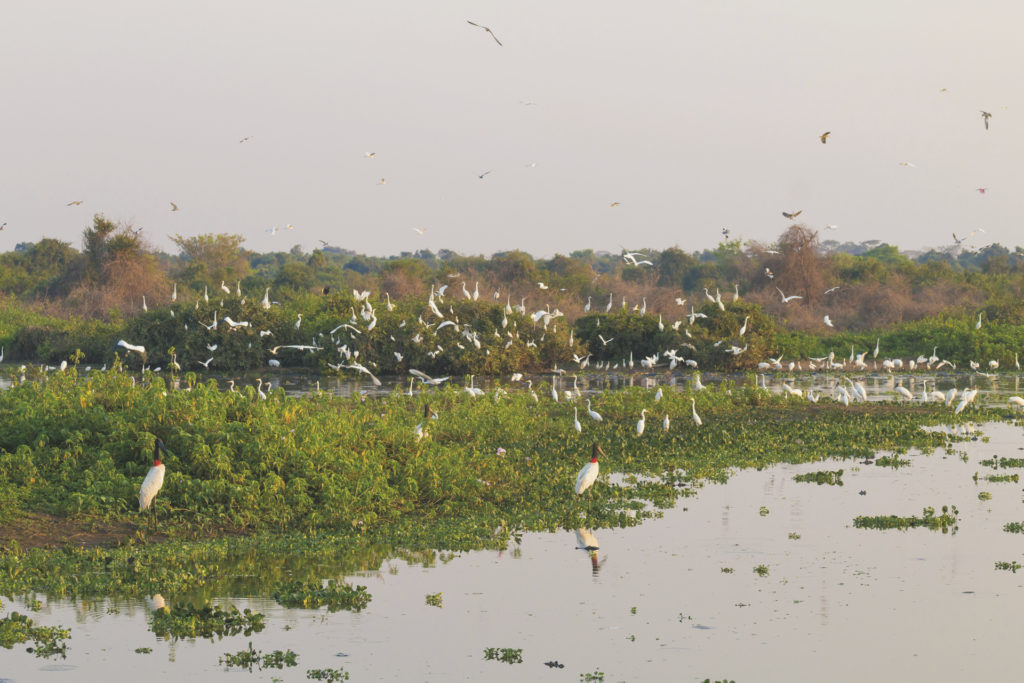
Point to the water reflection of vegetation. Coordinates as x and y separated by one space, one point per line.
349 486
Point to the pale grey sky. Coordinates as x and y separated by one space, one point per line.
693 115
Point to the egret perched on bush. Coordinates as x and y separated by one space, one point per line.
154 478
588 475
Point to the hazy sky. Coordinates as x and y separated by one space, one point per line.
694 116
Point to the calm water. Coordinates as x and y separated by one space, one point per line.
838 604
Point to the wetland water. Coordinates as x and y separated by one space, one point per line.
838 603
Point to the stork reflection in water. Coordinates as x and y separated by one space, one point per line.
585 540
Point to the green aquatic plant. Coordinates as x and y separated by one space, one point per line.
763 511
892 461
251 657
1014 527
1010 566
995 462
434 599
48 641
335 595
946 522
593 677
794 536
504 654
998 478
761 570
329 675
829 477
984 495
727 570
185 621
143 650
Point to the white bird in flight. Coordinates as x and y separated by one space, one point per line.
787 299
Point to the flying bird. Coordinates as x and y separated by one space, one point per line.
787 299
824 136
831 289
245 139
419 231
828 321
76 202
382 181
613 205
982 190
369 155
985 117
174 207
481 176
154 478
725 233
908 164
793 215
486 29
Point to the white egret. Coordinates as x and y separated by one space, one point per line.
588 475
642 422
977 325
743 330
266 299
137 348
594 415
154 478
298 322
905 393
787 299
696 418
1016 401
576 420
665 422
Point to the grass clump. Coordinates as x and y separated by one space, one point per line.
1012 566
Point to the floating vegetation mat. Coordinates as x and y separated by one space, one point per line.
945 522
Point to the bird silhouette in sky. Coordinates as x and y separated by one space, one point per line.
486 29
792 215
824 136
985 117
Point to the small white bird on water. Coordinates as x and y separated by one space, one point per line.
154 478
588 475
